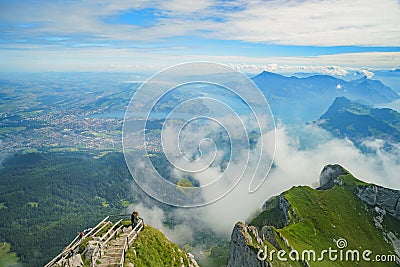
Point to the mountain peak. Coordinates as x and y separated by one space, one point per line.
330 176
360 214
268 74
346 118
341 101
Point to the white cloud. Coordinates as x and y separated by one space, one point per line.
63 36
154 216
367 73
329 70
301 154
315 23
299 162
47 58
322 23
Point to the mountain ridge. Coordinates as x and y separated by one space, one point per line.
373 91
356 121
318 92
365 216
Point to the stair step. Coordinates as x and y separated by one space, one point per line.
114 255
114 249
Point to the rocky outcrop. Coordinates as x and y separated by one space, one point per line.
267 233
245 243
395 241
284 207
330 176
384 201
74 261
278 212
384 198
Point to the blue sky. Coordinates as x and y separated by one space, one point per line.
146 36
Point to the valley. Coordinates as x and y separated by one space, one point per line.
63 168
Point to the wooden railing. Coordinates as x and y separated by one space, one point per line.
98 252
129 240
103 240
75 242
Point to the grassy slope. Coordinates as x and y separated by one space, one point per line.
154 249
328 215
7 258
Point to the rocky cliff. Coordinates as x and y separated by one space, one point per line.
362 216
245 243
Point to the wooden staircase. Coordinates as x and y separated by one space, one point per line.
111 246
114 253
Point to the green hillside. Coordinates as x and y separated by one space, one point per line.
358 122
7 258
317 219
153 249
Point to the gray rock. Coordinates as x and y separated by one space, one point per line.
267 233
284 206
396 245
241 253
330 176
75 261
381 197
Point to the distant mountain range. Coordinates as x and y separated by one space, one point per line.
346 118
294 99
345 216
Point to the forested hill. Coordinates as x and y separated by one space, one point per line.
358 122
45 199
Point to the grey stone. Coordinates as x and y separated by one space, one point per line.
381 197
330 176
267 234
241 254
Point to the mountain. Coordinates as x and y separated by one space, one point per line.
345 217
375 90
276 85
356 121
309 96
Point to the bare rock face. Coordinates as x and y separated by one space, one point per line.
267 233
284 207
384 198
243 247
385 201
73 261
396 245
330 176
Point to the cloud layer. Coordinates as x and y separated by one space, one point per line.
315 23
127 35
301 154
